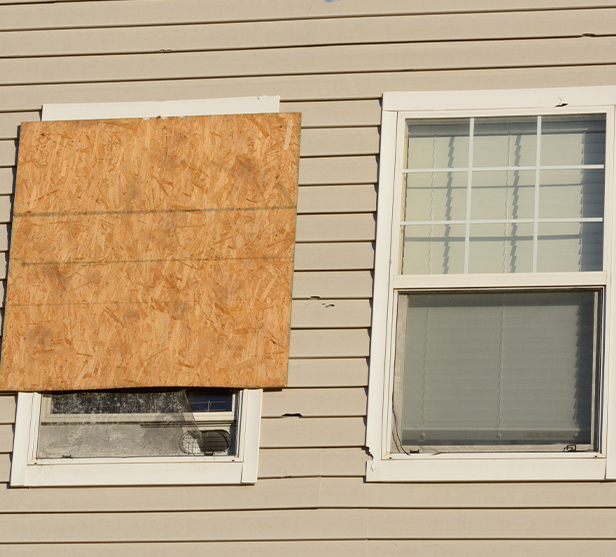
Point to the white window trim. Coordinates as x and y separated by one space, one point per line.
26 470
481 466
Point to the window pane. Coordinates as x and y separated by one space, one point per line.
573 139
433 250
570 247
501 248
503 195
571 193
437 143
109 424
504 368
505 142
435 196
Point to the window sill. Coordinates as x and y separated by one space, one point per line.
129 473
493 468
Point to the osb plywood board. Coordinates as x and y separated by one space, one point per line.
152 253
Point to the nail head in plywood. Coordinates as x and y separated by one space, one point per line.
152 253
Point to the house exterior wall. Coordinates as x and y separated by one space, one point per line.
331 60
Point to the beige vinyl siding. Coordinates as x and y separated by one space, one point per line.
310 524
310 492
340 548
6 438
324 87
7 418
66 15
324 372
305 32
309 61
331 61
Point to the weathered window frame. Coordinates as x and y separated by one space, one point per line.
494 466
26 470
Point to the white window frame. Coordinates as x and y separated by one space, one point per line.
481 466
27 470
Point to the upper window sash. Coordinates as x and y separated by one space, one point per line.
388 280
469 236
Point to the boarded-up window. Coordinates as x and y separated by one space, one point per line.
152 253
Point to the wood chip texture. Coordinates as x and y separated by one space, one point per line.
152 253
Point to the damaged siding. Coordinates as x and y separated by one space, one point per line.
331 61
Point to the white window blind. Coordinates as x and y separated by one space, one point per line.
496 368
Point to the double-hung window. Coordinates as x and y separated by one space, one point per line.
490 353
147 437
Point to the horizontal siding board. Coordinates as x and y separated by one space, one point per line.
5 469
338 170
43 15
490 524
265 494
339 548
329 343
322 372
10 122
333 462
185 526
314 402
296 432
335 113
335 228
334 256
7 409
6 207
314 314
310 60
314 87
307 32
7 180
303 524
6 439
332 284
336 199
194 549
339 141
505 548
8 152
354 492
4 228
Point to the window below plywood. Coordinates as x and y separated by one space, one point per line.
140 437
